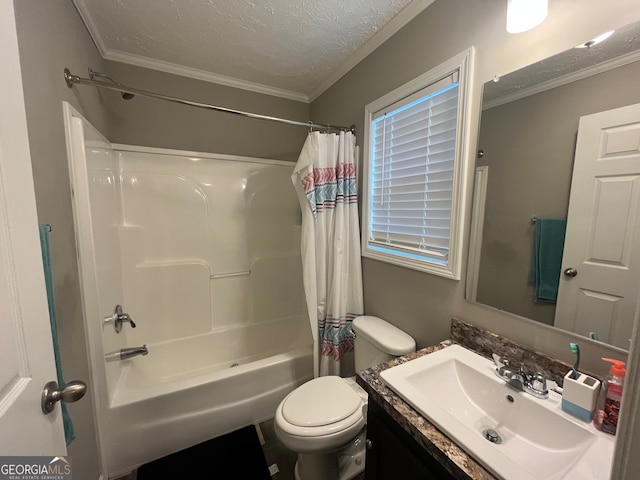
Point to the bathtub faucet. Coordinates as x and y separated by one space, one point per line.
133 352
118 319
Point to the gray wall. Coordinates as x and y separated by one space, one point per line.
423 304
150 122
530 166
51 36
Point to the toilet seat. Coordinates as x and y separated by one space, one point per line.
322 406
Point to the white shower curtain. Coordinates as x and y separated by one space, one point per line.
325 180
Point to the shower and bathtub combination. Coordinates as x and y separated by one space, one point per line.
202 254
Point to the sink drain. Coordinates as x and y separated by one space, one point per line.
491 435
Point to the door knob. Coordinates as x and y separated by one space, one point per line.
71 392
570 272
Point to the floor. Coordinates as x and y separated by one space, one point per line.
281 461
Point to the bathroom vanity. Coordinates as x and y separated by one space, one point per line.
393 453
403 443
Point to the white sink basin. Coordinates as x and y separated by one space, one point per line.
458 391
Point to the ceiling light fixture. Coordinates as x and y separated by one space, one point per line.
523 15
595 41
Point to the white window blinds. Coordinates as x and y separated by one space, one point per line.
413 143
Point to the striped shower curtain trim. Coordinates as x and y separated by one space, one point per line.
327 187
336 335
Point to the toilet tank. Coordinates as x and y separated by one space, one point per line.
378 341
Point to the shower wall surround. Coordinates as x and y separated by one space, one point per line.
193 245
206 244
203 252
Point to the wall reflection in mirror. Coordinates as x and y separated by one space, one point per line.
556 222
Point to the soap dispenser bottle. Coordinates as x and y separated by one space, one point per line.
613 398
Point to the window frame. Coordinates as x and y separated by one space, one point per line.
463 65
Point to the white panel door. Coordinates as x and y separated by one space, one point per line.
26 353
602 242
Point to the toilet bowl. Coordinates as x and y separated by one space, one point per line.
324 420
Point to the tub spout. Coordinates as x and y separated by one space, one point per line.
133 352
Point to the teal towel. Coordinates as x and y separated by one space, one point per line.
69 433
547 257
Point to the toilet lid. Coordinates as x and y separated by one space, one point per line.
321 401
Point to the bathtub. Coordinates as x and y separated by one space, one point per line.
203 251
153 415
187 363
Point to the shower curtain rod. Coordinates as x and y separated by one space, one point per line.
129 92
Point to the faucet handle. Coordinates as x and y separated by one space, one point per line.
126 318
503 367
539 383
118 318
499 361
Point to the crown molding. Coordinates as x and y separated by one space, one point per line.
405 15
566 79
168 67
389 29
197 74
90 23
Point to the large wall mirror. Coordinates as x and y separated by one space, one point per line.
556 216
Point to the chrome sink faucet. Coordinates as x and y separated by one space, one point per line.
517 378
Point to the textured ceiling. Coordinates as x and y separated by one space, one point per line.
620 48
294 48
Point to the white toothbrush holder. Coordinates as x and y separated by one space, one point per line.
579 396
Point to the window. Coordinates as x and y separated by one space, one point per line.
416 140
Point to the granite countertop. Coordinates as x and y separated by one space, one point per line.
442 448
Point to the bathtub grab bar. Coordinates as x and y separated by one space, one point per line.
230 274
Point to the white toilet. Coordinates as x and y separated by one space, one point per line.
324 419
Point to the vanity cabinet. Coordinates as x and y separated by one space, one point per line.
392 454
